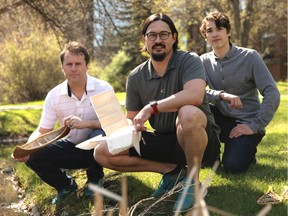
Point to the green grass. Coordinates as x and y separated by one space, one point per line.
12 122
236 194
23 104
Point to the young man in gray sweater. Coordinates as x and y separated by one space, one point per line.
235 75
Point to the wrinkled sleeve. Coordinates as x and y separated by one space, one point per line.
271 95
213 96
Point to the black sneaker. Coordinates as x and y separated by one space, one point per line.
63 194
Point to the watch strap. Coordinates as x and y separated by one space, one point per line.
154 104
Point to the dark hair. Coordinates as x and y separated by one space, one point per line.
75 48
220 19
164 18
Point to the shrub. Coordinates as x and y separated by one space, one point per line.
30 67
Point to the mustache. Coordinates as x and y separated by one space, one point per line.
158 45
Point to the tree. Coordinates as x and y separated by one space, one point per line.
116 72
109 26
31 68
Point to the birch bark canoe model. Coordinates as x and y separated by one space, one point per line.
28 148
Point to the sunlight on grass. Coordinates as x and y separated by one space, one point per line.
236 194
121 96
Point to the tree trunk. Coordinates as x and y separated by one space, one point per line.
247 23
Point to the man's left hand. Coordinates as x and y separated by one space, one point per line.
74 122
141 118
239 130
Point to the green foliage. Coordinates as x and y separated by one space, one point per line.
94 70
29 48
116 72
30 68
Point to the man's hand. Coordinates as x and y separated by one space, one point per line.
74 122
142 117
21 159
239 130
233 100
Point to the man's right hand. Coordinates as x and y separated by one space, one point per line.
233 100
141 117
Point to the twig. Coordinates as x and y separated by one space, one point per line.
264 210
132 209
219 211
98 204
105 192
123 202
171 192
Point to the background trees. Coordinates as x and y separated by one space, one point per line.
33 32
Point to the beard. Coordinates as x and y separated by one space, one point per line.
158 56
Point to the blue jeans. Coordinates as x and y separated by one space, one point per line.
49 162
239 152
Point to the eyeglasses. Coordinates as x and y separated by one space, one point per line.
152 36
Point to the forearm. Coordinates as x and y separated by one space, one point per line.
92 124
268 107
192 94
34 135
263 118
38 132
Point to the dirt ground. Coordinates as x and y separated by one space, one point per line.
11 195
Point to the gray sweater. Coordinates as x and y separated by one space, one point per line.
242 72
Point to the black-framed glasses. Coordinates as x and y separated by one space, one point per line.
152 36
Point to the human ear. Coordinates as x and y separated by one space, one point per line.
229 33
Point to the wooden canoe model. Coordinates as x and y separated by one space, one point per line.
28 148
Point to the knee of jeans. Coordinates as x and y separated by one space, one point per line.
30 162
35 160
234 166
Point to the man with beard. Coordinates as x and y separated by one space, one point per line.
168 90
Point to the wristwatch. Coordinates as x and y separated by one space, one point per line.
154 104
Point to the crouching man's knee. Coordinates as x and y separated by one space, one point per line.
190 118
101 154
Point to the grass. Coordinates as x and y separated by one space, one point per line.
236 194
12 122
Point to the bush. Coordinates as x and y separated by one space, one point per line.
30 68
116 72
